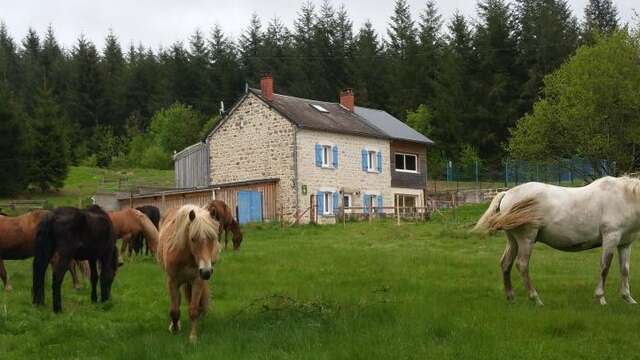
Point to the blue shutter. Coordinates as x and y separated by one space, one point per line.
364 160
365 203
335 156
379 161
320 198
336 200
318 155
380 204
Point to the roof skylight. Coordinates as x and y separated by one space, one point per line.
319 108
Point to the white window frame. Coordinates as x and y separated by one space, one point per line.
405 163
372 159
327 156
328 203
347 209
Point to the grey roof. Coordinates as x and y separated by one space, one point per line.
338 119
391 126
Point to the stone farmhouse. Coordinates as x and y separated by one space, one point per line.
274 155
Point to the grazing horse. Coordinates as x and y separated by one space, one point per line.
604 213
128 223
187 251
17 242
153 213
69 233
220 211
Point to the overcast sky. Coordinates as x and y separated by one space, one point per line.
161 22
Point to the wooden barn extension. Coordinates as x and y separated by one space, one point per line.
229 192
192 166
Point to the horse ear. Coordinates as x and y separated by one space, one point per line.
192 215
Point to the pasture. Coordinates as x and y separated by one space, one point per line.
362 291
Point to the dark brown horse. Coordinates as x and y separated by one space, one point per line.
221 212
17 241
69 233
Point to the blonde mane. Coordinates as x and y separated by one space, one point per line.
631 184
203 226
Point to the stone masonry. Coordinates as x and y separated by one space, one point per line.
255 142
349 173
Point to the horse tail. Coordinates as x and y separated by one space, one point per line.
44 247
524 212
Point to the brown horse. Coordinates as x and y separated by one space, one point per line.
17 242
128 223
221 212
187 250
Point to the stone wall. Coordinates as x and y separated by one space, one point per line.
349 173
255 142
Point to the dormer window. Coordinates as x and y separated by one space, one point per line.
319 108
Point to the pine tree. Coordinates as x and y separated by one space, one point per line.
250 45
9 61
226 77
497 77
430 52
367 68
198 74
599 16
54 66
49 148
13 146
547 35
307 69
112 67
31 71
277 52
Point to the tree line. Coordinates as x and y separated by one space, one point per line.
464 82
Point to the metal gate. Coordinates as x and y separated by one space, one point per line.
249 206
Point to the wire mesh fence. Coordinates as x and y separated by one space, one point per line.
452 176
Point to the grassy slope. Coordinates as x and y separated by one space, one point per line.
414 291
83 182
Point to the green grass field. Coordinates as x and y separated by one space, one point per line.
381 291
83 182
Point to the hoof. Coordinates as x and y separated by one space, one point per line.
174 329
600 300
628 299
193 338
510 297
536 300
8 288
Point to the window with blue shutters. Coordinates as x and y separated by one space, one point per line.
336 201
365 203
379 164
335 156
318 155
380 204
365 156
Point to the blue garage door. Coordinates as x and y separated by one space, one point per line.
249 206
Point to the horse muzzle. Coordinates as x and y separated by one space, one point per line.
205 273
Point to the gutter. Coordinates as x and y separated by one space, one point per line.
295 169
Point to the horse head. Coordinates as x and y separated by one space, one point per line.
203 241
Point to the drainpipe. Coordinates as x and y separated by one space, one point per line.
295 169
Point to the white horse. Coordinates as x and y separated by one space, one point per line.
604 213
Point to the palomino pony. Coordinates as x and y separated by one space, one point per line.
187 251
128 223
153 213
221 212
604 213
69 233
17 242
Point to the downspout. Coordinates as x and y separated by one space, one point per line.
295 170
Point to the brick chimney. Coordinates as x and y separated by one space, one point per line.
266 85
347 99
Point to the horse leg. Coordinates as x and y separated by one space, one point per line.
525 240
609 243
5 277
506 263
624 253
174 310
107 273
73 269
59 269
197 290
226 239
94 280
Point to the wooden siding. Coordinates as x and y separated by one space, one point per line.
192 167
201 197
404 179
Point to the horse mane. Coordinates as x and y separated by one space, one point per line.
631 185
202 226
96 209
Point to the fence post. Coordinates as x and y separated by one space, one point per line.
370 210
397 204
